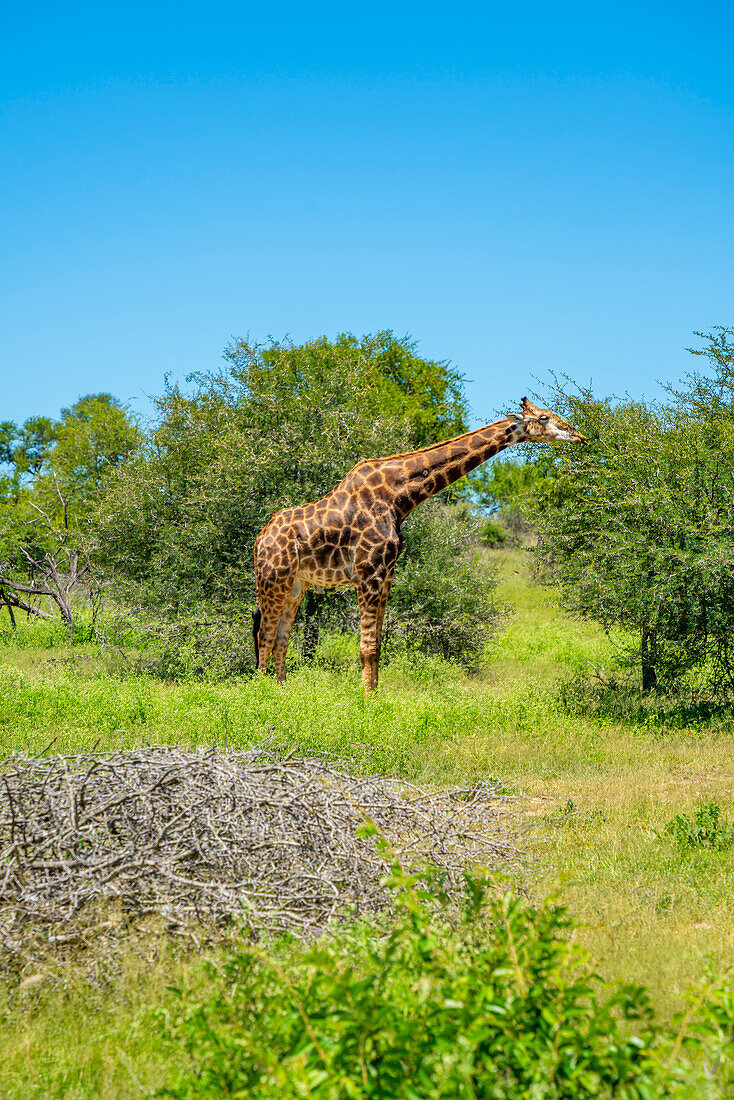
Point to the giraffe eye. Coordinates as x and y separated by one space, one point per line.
543 419
425 473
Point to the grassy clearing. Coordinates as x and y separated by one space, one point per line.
79 1041
599 789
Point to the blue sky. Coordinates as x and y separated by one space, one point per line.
523 190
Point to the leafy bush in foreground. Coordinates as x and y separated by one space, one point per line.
502 1006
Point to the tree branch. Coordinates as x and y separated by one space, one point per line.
30 590
22 605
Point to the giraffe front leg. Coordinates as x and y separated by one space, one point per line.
372 601
285 626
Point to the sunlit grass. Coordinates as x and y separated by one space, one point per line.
598 792
64 1038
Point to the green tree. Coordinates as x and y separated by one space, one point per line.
638 527
72 456
58 469
24 452
280 424
428 394
8 436
709 394
93 436
35 441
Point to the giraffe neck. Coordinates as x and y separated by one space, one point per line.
417 477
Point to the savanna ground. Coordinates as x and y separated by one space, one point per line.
598 786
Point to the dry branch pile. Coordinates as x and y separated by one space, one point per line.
209 836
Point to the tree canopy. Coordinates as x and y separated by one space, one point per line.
56 472
279 424
72 454
638 527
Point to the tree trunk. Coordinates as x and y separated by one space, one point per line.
62 585
648 652
67 615
10 610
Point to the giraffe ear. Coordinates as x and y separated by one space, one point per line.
514 418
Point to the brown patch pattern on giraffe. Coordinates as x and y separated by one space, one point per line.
352 535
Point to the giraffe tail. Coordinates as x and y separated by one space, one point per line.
256 617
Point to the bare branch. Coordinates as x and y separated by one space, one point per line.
49 524
216 837
23 605
63 500
29 589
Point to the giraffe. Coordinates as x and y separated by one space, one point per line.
352 535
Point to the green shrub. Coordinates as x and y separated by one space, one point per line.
706 829
442 598
191 648
492 534
499 1004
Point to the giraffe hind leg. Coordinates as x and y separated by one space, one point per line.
256 617
285 626
271 609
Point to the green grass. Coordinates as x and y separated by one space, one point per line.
80 1040
599 785
428 721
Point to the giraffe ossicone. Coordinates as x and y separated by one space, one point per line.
352 536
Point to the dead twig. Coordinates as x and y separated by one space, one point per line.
214 836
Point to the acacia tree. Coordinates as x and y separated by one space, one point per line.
638 527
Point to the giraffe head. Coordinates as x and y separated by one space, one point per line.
543 426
